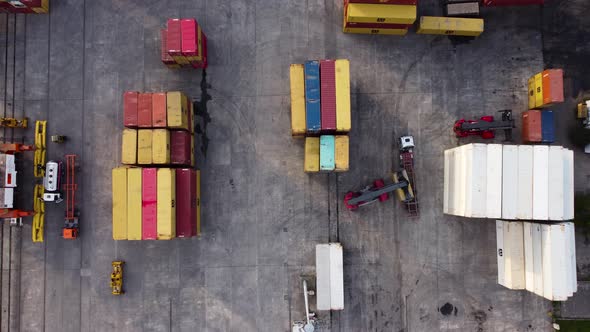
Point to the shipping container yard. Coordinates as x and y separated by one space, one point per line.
263 165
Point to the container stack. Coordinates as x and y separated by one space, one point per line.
540 258
513 182
24 6
160 199
320 112
184 44
545 90
379 17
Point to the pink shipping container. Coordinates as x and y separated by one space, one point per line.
130 100
149 193
328 94
180 147
186 202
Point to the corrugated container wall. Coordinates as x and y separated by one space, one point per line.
328 94
129 147
377 13
177 110
119 191
312 97
134 204
144 146
297 100
327 153
166 204
161 146
149 202
547 127
144 110
343 117
312 154
531 126
180 147
341 153
130 104
159 110
186 199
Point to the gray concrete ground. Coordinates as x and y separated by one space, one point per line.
262 216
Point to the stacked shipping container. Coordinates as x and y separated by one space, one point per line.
538 126
380 17
509 181
24 6
320 111
456 26
184 44
540 258
545 89
156 203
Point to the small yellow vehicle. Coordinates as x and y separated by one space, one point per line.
117 278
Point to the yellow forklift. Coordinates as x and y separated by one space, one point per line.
14 123
117 278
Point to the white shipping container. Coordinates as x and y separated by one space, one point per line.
509 181
537 259
475 180
500 251
560 279
514 255
555 183
540 183
460 179
329 277
525 182
528 257
547 263
494 181
571 242
568 184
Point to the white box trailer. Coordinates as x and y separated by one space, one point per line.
7 171
525 183
509 182
529 272
500 251
537 259
329 276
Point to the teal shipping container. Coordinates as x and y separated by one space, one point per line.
327 145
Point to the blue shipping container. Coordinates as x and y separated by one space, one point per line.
547 127
312 97
327 146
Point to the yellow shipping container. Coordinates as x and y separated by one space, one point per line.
312 154
532 92
341 153
144 146
177 110
380 13
129 147
342 95
160 146
538 90
119 188
166 206
44 9
297 100
198 173
457 26
369 31
134 203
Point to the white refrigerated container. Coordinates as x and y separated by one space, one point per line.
494 181
555 187
500 251
514 269
540 182
525 183
329 277
529 272
509 181
537 259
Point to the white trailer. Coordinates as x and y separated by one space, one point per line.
330 276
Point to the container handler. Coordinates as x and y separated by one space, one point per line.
485 126
117 278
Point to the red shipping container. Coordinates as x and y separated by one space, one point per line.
174 37
144 110
159 110
180 147
186 202
130 100
190 47
15 8
149 200
386 2
552 86
511 2
531 126
202 64
328 94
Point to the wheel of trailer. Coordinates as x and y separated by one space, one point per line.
380 184
350 195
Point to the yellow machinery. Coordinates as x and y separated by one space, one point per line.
39 160
117 278
14 123
39 217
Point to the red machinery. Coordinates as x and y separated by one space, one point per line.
71 226
485 126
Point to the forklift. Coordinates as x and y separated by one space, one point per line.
486 126
14 123
117 278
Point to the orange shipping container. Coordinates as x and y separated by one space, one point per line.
144 110
159 110
531 126
552 86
